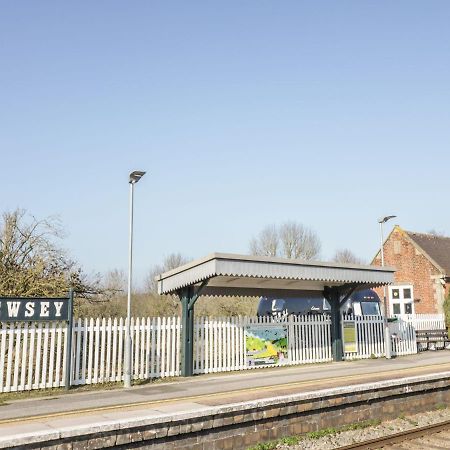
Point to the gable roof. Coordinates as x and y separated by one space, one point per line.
436 248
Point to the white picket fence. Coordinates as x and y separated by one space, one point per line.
32 356
403 337
425 321
369 332
220 343
98 349
309 339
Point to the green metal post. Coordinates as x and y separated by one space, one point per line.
336 325
187 334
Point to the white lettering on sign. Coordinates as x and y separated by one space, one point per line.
45 309
13 308
29 309
58 306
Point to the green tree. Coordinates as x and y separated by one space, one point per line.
447 309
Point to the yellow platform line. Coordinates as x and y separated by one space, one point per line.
216 395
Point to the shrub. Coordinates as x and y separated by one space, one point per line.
447 309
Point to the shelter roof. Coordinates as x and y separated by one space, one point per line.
231 274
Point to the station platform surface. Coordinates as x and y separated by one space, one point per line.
75 409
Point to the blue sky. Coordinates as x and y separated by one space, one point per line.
243 114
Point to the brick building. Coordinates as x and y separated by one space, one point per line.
422 278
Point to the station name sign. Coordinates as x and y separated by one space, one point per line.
33 309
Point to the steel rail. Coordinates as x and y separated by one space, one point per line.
397 438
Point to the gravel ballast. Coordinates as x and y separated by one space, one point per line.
338 438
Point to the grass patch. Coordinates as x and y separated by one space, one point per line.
271 445
336 430
291 440
441 406
402 416
294 440
412 422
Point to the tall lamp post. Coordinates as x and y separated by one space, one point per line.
382 221
133 179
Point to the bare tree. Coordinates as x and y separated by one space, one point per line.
299 241
32 263
115 281
437 233
172 261
267 243
290 240
346 256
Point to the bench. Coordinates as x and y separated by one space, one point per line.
432 339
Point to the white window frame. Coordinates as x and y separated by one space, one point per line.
401 300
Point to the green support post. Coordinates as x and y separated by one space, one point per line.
336 325
188 297
187 333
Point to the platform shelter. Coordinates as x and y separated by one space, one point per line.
222 274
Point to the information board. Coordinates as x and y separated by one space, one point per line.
350 336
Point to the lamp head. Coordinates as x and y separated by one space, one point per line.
135 176
385 219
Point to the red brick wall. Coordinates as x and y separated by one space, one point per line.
412 268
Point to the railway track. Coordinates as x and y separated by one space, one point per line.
430 437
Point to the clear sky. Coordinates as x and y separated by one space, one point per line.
330 113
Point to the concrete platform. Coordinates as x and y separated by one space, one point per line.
61 416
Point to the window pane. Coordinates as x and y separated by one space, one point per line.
396 308
396 293
407 293
408 308
370 308
278 304
357 309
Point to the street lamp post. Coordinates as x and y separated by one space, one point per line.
382 221
133 179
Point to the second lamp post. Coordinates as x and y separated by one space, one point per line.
387 334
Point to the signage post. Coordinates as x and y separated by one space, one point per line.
68 379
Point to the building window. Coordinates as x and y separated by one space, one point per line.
397 247
408 308
401 300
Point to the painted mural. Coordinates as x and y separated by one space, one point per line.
266 345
